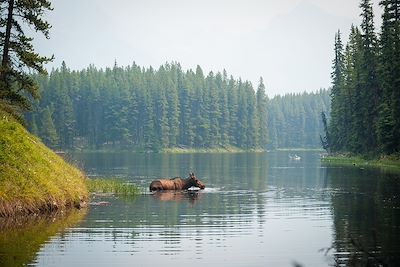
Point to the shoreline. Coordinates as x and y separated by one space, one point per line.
384 162
175 150
178 150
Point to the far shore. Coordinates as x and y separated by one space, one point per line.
179 150
391 162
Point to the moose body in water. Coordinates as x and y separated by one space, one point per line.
176 183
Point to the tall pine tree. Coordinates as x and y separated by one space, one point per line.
18 54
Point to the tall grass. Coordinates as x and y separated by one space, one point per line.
33 179
112 186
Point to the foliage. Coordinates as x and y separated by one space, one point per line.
148 109
325 140
19 58
365 116
294 119
32 177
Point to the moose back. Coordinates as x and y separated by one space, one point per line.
176 183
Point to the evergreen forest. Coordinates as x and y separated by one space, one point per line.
147 109
365 96
294 120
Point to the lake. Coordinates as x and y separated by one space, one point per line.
258 209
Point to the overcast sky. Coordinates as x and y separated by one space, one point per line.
287 42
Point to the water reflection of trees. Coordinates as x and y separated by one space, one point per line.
231 196
366 209
21 238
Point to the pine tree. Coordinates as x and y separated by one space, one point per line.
33 128
325 141
214 114
388 123
242 139
336 126
48 130
18 54
253 133
371 95
186 127
233 112
224 121
173 104
161 108
262 105
201 118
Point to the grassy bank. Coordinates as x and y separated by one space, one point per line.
112 186
386 162
33 178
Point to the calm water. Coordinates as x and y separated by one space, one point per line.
257 210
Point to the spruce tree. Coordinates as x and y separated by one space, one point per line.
262 105
388 125
371 95
336 126
48 130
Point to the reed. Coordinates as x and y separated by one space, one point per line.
111 185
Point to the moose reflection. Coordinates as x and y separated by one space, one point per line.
176 183
177 196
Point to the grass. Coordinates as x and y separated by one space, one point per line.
113 186
33 179
391 162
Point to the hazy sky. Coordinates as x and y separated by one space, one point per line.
287 42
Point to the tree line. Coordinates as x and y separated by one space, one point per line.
134 106
365 117
148 108
166 108
294 119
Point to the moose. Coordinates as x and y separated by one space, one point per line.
176 183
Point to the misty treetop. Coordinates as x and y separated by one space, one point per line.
365 117
147 108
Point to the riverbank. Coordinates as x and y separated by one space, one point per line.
33 179
385 162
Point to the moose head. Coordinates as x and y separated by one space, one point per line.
195 182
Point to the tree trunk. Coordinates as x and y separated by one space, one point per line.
6 46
